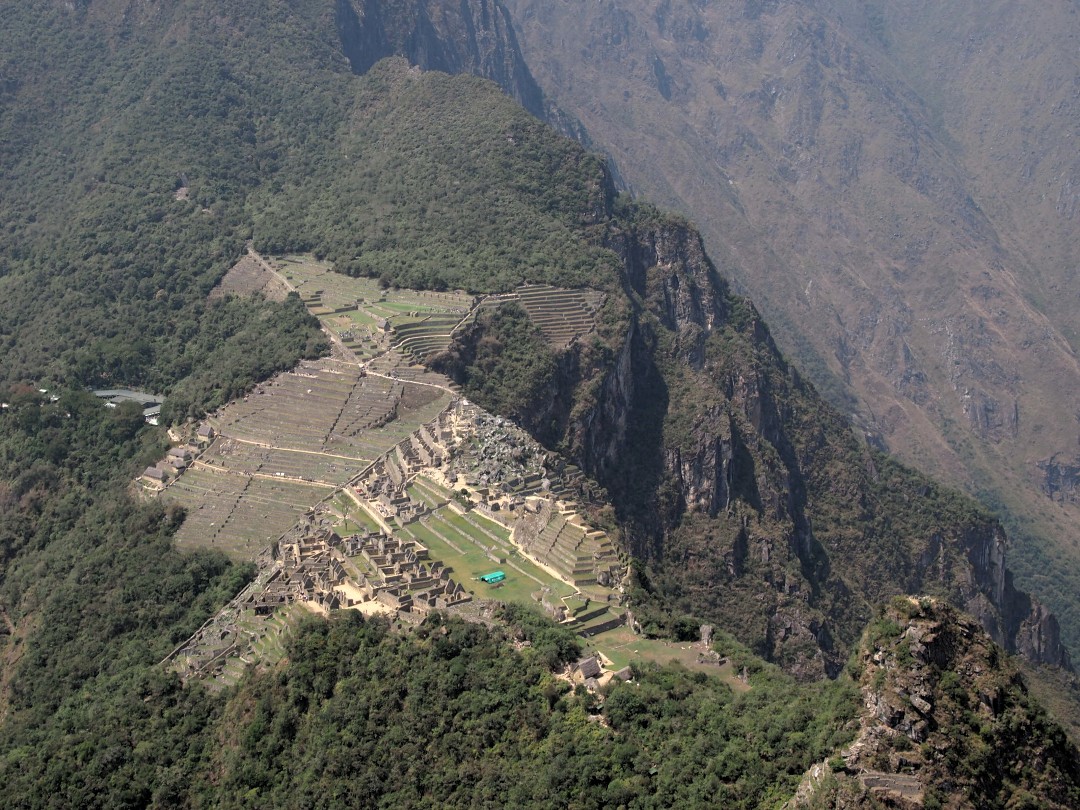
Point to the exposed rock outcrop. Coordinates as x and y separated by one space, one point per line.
760 485
471 36
946 721
749 499
913 248
1060 478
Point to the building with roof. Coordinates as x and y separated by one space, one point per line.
150 403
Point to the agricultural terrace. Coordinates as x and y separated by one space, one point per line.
621 646
249 277
238 513
290 444
331 408
571 550
562 315
224 647
292 465
368 319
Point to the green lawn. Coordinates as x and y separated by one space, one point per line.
360 317
348 527
358 517
420 495
495 528
411 306
622 647
464 527
468 566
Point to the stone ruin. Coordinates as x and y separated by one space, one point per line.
403 577
385 483
557 538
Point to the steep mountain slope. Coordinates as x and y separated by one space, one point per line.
747 495
475 37
147 142
1001 82
942 708
722 464
844 189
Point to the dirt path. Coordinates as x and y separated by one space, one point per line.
266 446
345 350
445 388
269 269
268 476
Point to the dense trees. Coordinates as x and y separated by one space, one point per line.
95 595
507 366
476 194
450 716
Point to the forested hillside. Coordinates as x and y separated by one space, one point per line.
143 146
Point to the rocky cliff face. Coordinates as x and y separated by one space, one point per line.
857 168
947 721
470 36
749 499
1061 479
744 488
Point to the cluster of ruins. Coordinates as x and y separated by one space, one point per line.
316 566
403 577
387 569
169 468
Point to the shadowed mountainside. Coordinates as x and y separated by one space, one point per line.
860 171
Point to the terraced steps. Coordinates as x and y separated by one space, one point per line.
433 493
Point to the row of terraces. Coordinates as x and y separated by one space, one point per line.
336 292
237 513
297 409
421 322
255 459
248 278
582 555
401 366
429 493
427 335
285 447
330 407
562 315
315 281
236 636
363 316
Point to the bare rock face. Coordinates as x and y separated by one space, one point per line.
1039 638
474 36
759 487
1060 479
749 499
947 721
858 168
